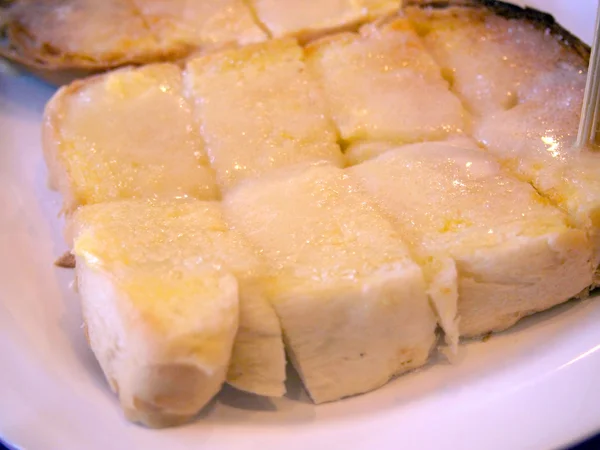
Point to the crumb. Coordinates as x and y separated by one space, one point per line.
486 337
67 260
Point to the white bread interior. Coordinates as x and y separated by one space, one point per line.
118 242
381 85
163 338
351 302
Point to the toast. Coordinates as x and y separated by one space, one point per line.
350 299
381 85
162 284
526 101
492 61
513 253
541 151
244 99
76 35
527 105
184 27
98 145
72 37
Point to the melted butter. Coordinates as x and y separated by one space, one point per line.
455 199
154 234
330 233
245 111
382 85
109 151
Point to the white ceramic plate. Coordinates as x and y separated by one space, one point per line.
532 387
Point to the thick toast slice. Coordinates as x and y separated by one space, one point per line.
162 333
175 248
163 338
259 111
525 86
514 253
536 139
493 62
363 151
381 85
127 134
351 302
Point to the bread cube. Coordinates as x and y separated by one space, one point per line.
351 302
126 134
381 85
536 140
514 253
171 273
259 111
